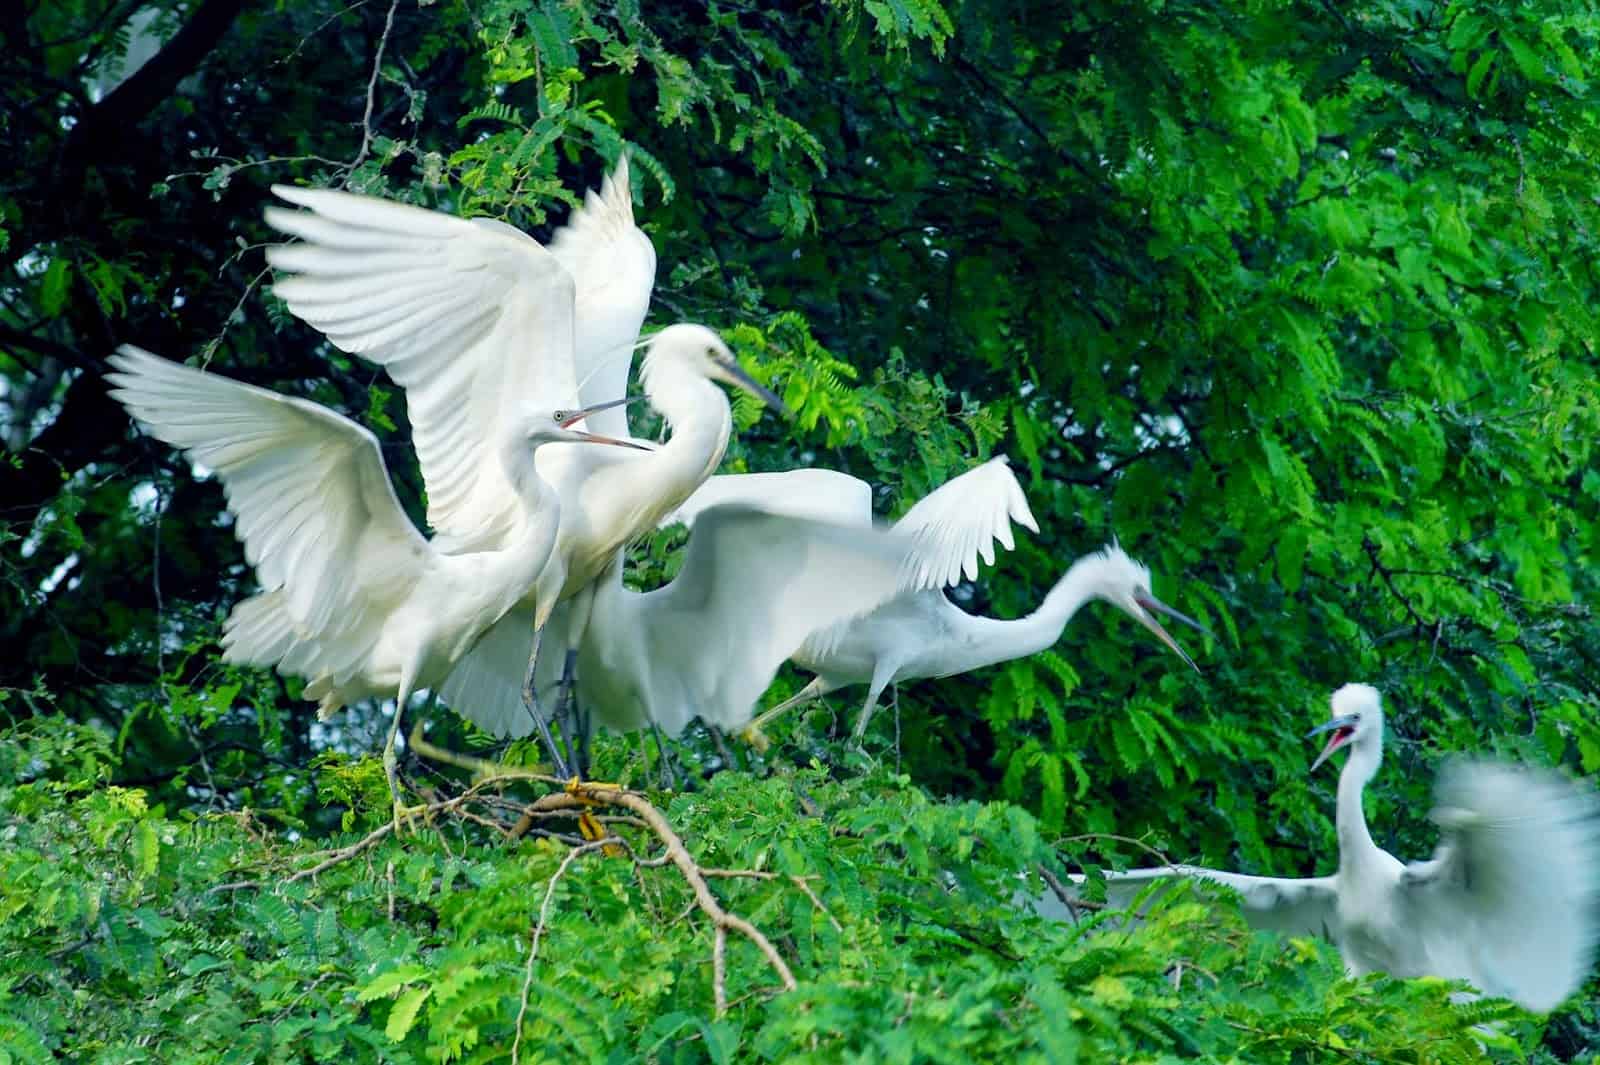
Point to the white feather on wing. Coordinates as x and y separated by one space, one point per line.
474 319
961 520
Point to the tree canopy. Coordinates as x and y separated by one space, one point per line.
1294 299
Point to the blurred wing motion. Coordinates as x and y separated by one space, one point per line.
961 520
613 265
315 509
1509 899
753 586
474 319
824 495
1287 905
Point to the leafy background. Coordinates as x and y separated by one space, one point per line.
1295 299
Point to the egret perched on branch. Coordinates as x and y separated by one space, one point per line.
920 633
353 598
1508 902
464 314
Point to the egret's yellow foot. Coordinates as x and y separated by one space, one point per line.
404 816
577 785
753 735
589 825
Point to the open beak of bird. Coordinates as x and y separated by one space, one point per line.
739 377
1343 729
595 438
1149 606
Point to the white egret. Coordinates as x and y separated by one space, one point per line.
353 598
920 633
464 314
709 642
1510 901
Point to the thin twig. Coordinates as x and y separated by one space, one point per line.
538 932
691 872
372 90
210 350
1141 844
719 971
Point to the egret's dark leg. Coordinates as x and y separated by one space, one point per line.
661 756
580 716
579 609
531 701
566 710
722 746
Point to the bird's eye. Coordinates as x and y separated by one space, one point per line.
560 415
711 353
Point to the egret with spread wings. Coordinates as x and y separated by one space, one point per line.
1508 902
475 318
709 642
920 633
352 597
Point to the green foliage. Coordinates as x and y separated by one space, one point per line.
129 934
1295 299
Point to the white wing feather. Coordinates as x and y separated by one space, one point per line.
313 501
474 319
824 495
613 265
961 520
753 586
1294 906
1509 900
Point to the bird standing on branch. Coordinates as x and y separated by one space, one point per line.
352 597
465 315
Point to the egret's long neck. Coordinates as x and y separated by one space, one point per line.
700 422
517 566
992 640
1355 842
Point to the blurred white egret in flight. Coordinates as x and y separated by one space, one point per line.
921 633
464 314
1508 902
352 597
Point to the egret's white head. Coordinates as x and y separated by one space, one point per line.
1357 720
1125 584
693 349
548 427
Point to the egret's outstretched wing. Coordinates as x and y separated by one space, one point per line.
961 520
1511 898
613 265
474 319
1288 905
824 495
313 501
753 586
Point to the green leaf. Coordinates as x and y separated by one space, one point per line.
403 1014
53 289
386 983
